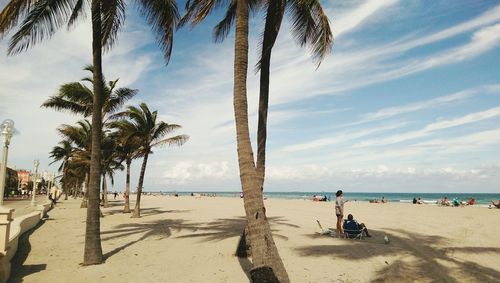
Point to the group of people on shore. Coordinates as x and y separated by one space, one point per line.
455 202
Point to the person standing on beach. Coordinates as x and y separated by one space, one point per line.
339 210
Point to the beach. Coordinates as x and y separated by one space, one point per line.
193 239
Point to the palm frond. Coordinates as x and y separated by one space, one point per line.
113 17
58 103
162 16
177 140
311 26
222 29
41 22
12 12
118 98
78 12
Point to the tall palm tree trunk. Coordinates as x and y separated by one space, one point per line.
264 251
137 209
93 250
126 208
105 191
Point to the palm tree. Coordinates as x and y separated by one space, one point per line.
110 162
310 27
62 152
144 127
127 149
41 20
77 98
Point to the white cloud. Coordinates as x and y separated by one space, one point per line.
190 171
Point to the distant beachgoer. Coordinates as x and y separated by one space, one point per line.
495 204
115 194
339 210
241 194
414 201
419 201
472 201
383 200
445 202
456 202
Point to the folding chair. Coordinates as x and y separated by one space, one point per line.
352 231
330 231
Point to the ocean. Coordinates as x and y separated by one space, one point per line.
431 198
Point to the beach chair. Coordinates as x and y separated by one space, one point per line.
352 231
330 231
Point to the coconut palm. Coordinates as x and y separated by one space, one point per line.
110 163
127 149
41 20
143 127
310 27
62 152
77 98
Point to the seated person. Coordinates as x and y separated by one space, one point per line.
414 201
472 201
456 202
420 201
497 204
383 200
445 202
373 201
352 225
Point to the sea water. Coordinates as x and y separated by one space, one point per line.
431 198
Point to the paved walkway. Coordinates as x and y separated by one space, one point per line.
23 206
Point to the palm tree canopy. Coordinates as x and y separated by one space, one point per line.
76 97
42 18
142 127
310 25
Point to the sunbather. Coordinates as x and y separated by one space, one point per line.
497 204
445 202
352 225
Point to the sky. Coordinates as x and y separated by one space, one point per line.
408 101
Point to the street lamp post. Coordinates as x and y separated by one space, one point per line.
33 201
7 131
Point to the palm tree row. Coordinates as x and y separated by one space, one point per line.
310 27
127 135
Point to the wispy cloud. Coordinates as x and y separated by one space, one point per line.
428 104
445 124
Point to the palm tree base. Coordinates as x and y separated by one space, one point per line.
136 215
83 204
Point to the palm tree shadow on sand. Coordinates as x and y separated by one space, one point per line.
225 228
427 266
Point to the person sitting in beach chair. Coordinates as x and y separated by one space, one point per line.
353 229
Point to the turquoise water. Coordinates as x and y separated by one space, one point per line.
480 198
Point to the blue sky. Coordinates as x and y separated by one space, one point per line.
408 101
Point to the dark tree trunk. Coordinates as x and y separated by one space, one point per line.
105 191
126 195
93 250
137 209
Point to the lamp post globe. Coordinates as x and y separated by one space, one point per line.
7 128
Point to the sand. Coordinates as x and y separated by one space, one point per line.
188 239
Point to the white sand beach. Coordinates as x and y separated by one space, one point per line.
188 239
